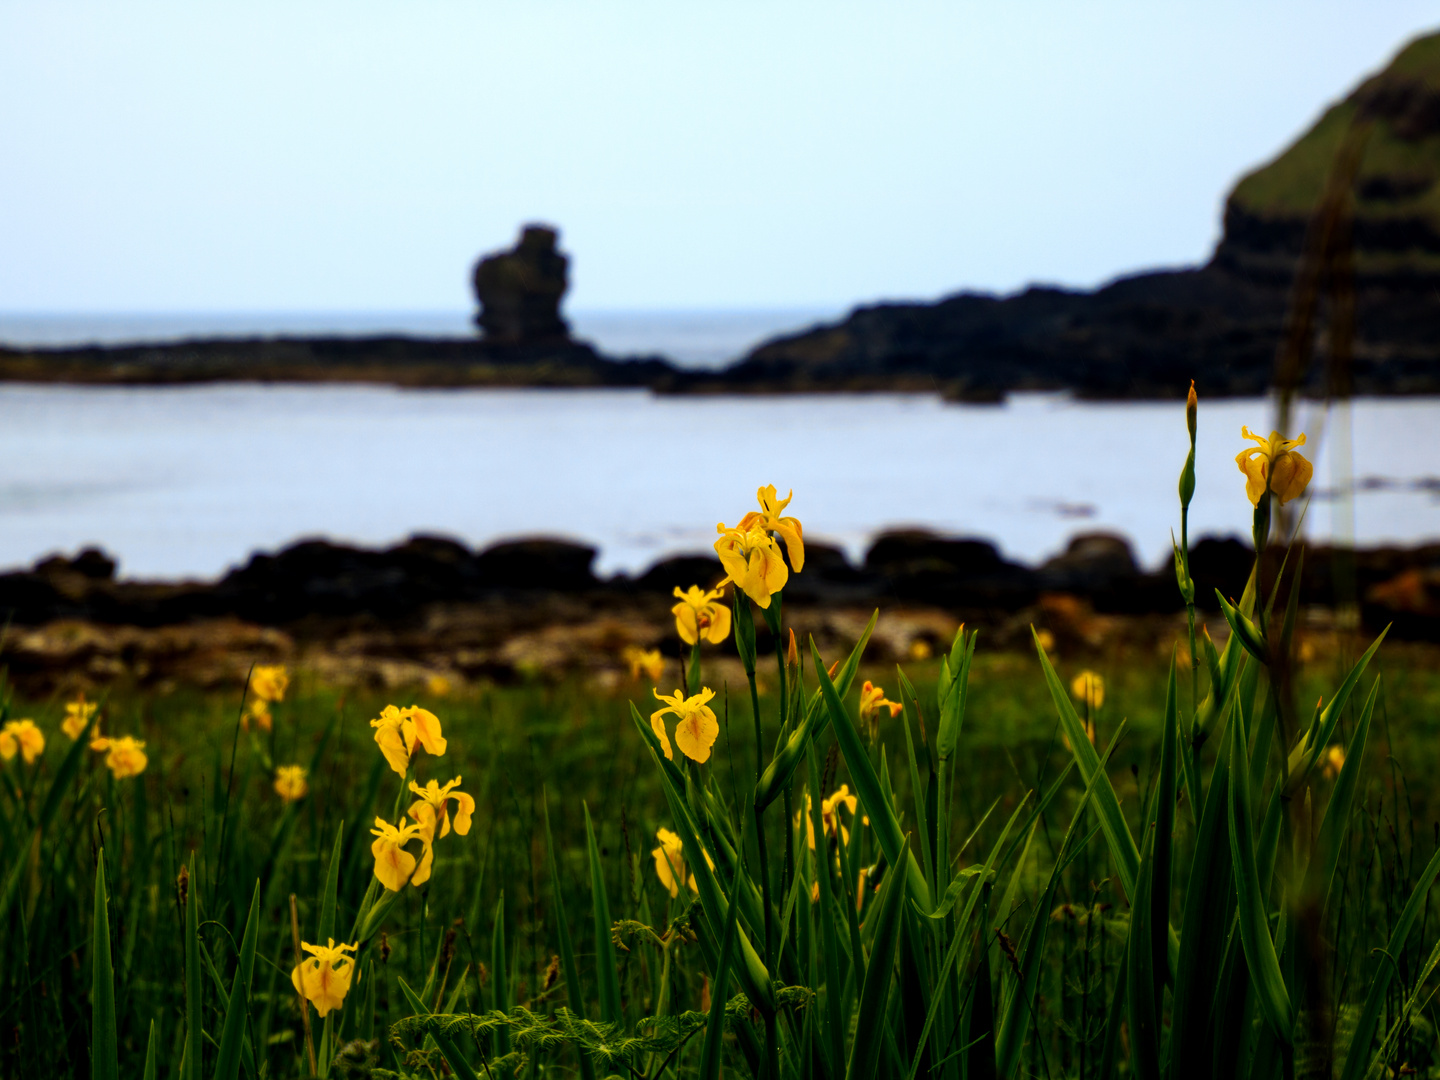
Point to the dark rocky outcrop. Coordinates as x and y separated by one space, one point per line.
1148 334
519 290
315 583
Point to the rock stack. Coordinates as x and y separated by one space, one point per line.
519 290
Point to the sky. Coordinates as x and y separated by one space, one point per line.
308 155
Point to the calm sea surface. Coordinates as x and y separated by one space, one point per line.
189 481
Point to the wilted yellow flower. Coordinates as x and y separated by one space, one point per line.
268 682
324 978
698 616
258 711
398 731
695 733
670 862
394 866
77 716
1089 688
752 560
124 757
1276 463
434 803
768 518
290 782
21 737
646 662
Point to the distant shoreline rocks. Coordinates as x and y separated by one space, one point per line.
312 581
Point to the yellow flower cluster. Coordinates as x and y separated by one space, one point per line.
268 683
647 662
750 553
290 782
124 756
830 807
398 733
77 717
21 737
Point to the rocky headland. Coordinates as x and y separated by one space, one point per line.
1356 196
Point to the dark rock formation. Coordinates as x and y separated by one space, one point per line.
315 583
1148 334
519 291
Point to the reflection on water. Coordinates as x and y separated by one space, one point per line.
189 481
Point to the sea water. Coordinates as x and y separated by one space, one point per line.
189 481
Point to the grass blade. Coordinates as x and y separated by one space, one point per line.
715 1024
232 1033
150 1064
1260 957
104 1040
332 886
1107 805
194 1002
605 963
872 795
574 996
870 1030
1358 1057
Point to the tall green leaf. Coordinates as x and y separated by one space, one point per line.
606 973
882 814
458 1062
332 887
1107 805
870 1029
574 995
194 1002
104 1040
1259 947
1358 1058
232 1033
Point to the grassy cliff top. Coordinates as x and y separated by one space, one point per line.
1401 166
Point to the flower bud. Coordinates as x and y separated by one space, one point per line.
1191 404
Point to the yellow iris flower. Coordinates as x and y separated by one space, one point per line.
290 783
829 814
323 978
434 802
697 615
752 560
1274 465
646 662
21 737
768 518
1088 687
695 733
399 731
258 710
670 862
77 716
124 757
268 682
395 866
872 700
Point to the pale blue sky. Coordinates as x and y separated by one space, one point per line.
357 155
